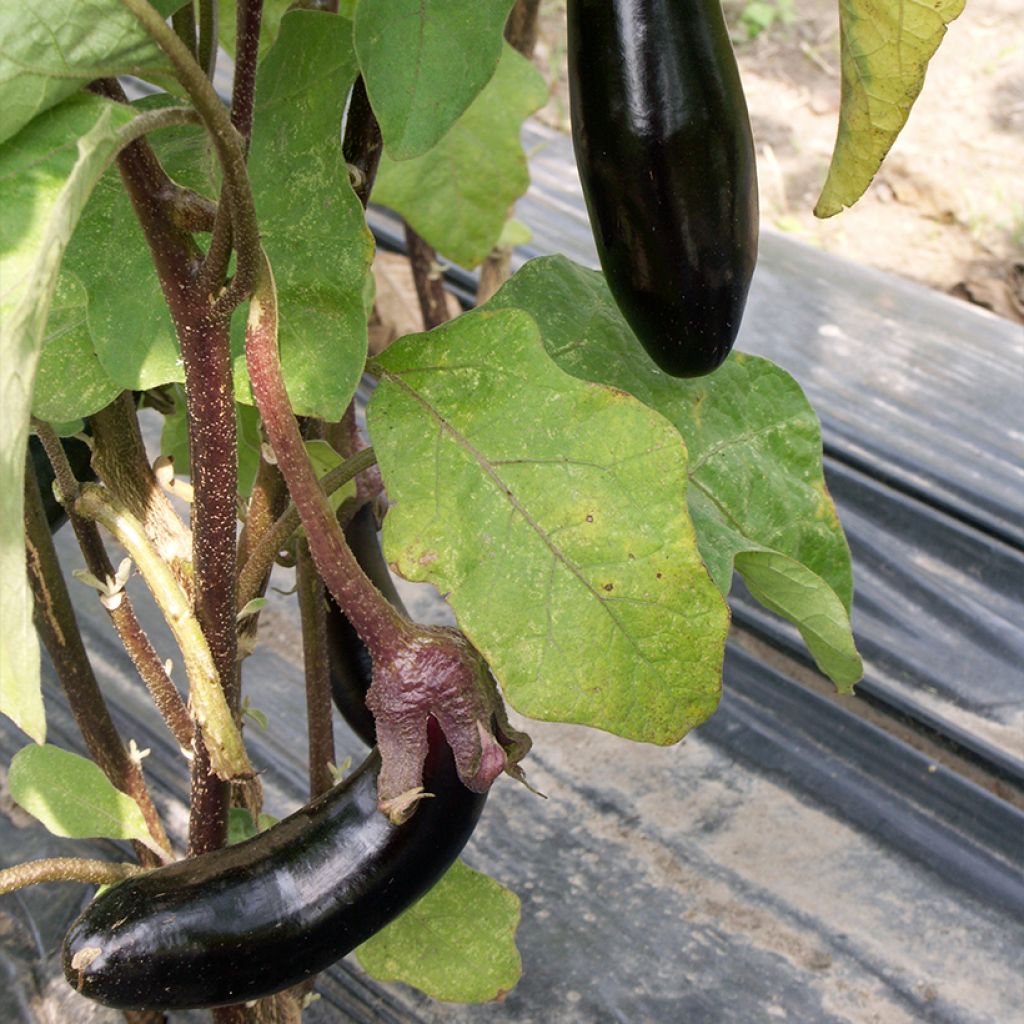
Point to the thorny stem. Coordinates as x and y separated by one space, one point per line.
164 693
271 541
249 14
427 277
209 705
362 145
313 613
374 619
65 869
228 144
58 629
119 457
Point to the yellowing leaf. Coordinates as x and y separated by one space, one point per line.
886 46
552 512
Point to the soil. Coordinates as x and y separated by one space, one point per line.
947 207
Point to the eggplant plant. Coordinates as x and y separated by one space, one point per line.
208 257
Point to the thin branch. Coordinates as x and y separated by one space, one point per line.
313 613
427 277
66 869
248 15
264 552
209 704
164 693
226 141
119 457
376 621
58 630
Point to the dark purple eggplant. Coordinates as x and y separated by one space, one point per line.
666 160
249 920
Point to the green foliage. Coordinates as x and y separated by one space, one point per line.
552 513
72 797
758 16
47 173
456 944
458 194
424 62
49 52
310 219
757 493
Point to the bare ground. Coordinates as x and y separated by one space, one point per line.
947 207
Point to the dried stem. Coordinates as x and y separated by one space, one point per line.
65 869
58 630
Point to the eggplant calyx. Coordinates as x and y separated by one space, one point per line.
440 675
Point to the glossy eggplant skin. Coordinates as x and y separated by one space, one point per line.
79 457
249 920
351 664
666 160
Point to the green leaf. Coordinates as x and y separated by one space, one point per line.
72 797
552 512
457 196
424 62
324 458
46 175
457 943
886 46
757 492
129 323
312 224
49 51
70 380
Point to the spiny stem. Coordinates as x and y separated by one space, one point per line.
248 15
58 630
65 869
259 562
209 705
226 141
164 693
376 622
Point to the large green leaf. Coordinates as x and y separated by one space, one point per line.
46 175
72 797
456 944
311 222
757 493
886 46
129 324
49 51
457 196
424 62
552 512
70 381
